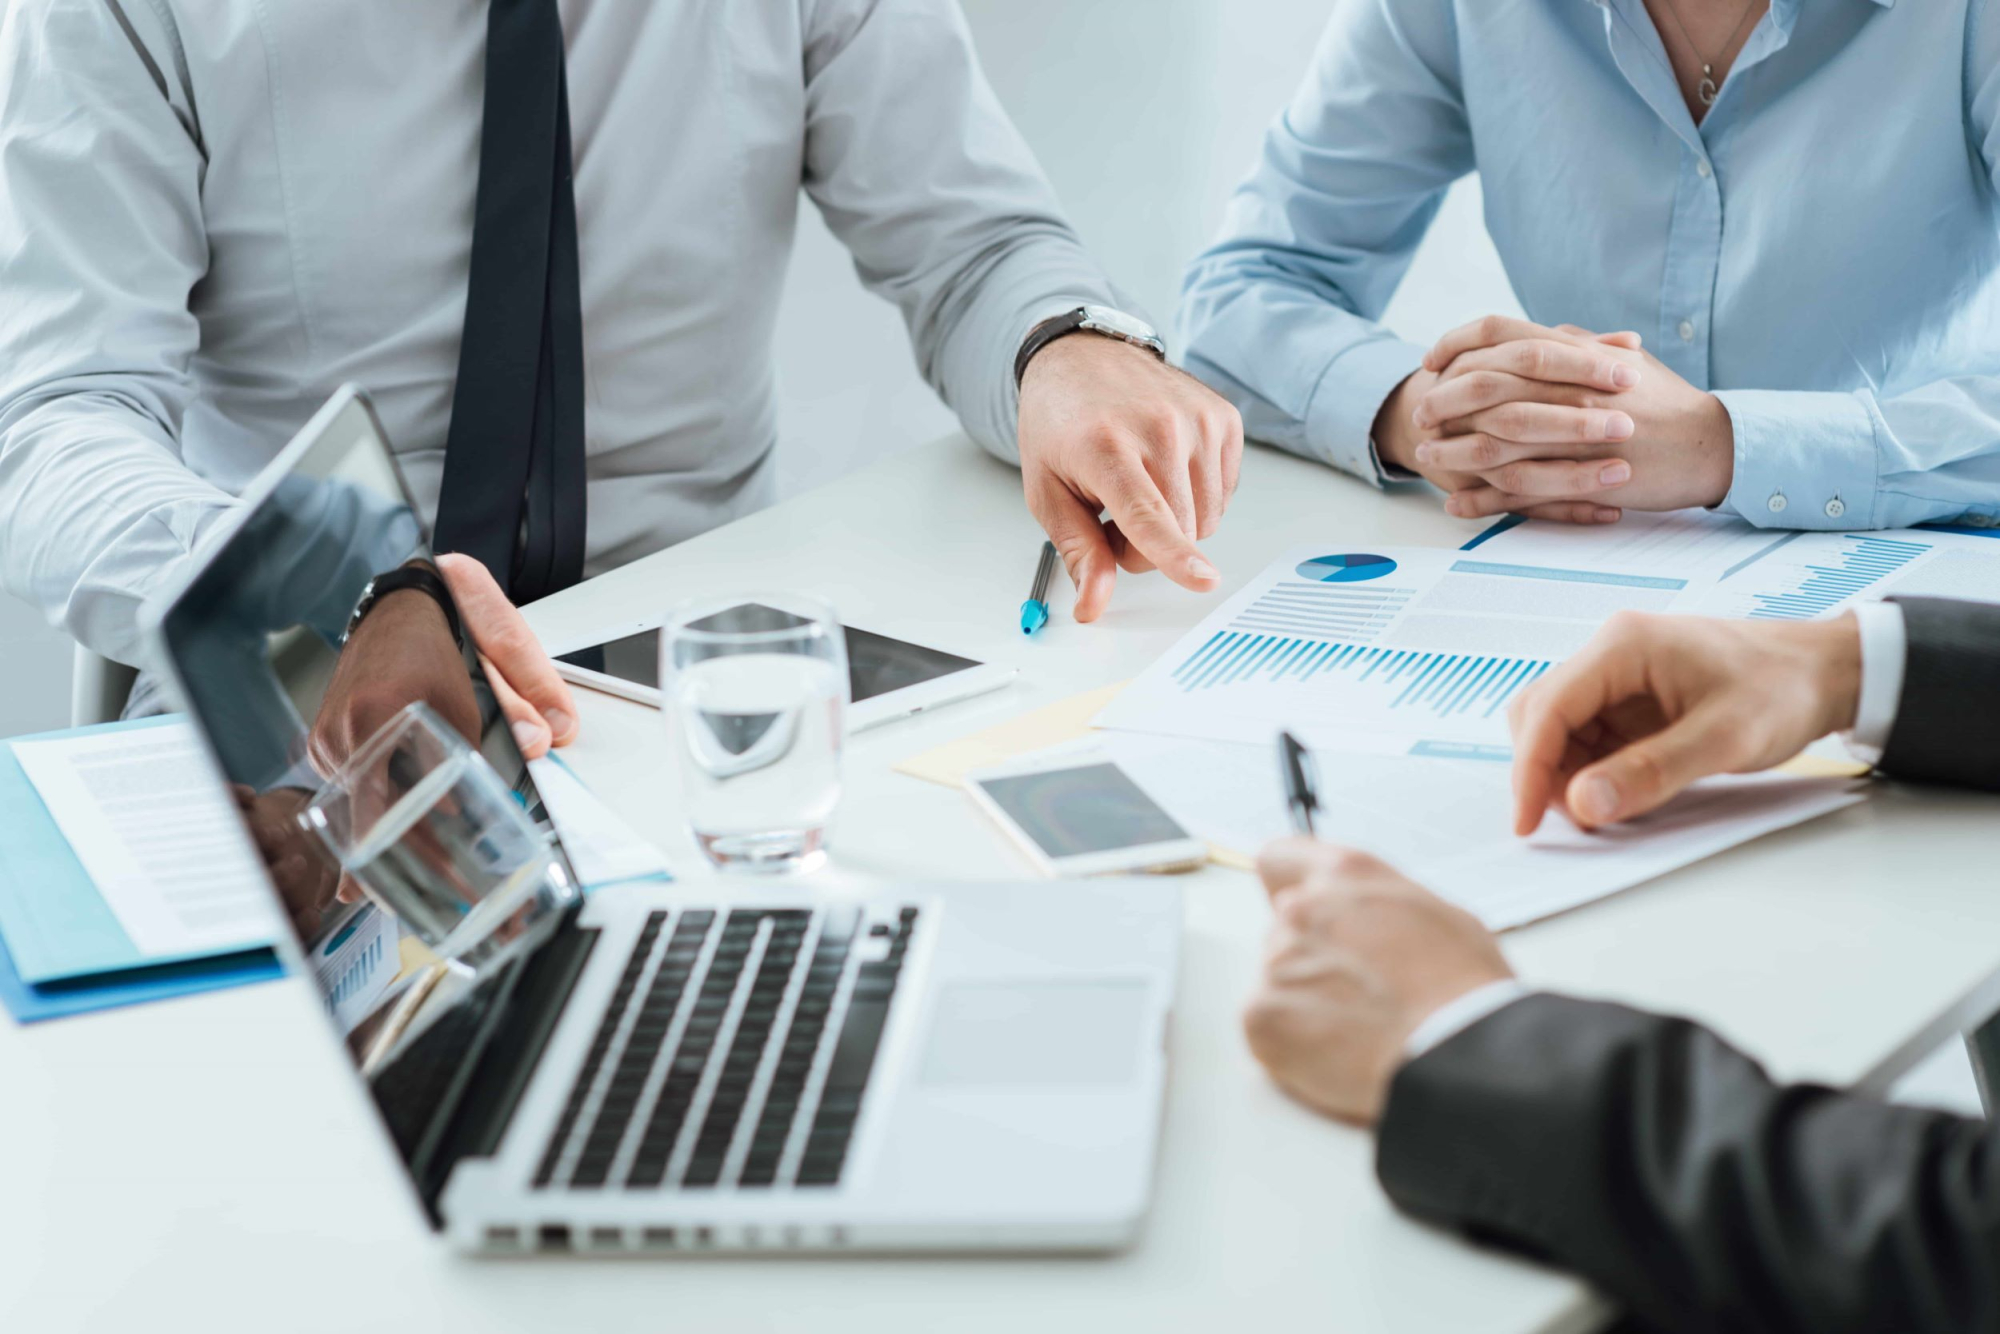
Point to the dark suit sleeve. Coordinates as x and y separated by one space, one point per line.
1651 1158
1948 718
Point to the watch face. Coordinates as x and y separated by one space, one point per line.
1118 322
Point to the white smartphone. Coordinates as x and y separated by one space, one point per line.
890 678
1083 817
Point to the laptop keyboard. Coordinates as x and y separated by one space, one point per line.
735 1056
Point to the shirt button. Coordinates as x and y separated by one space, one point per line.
1776 502
1702 169
1687 331
1834 509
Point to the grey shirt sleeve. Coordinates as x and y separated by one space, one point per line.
101 241
918 171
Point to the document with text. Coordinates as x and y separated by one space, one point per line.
156 831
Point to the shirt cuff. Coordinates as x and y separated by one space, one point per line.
1803 460
1454 1017
1884 650
1340 416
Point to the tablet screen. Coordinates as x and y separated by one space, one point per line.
876 664
1071 812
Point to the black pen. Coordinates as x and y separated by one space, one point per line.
1301 794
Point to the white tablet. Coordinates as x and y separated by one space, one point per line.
891 678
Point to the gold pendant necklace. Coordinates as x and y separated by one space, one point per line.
1707 89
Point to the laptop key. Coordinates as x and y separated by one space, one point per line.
852 1065
600 1046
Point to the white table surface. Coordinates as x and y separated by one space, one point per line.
205 1164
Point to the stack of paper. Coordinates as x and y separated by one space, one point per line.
125 873
1396 666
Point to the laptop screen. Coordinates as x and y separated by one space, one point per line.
290 711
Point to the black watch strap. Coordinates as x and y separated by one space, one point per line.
1041 336
1092 319
420 575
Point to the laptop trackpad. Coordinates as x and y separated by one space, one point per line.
1036 1033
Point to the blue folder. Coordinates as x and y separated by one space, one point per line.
53 1000
62 950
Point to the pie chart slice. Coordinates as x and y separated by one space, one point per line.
1353 568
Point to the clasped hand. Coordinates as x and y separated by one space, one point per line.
1556 423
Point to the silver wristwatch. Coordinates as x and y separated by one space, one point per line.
1088 319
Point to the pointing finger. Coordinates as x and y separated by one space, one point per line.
1081 542
1148 522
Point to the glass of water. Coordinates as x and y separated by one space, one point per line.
433 835
756 707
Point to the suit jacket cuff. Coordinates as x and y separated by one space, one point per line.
1464 1140
1947 729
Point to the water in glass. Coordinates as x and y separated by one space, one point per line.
757 722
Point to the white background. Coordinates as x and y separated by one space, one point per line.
1145 114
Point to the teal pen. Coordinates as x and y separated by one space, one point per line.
1035 611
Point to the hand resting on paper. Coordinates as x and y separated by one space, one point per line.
1654 703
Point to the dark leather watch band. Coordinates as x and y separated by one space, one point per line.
1100 320
1041 336
419 575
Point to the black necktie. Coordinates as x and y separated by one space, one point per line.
513 489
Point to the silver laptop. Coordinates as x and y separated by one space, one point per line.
661 1069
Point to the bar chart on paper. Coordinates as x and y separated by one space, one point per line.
1768 575
1406 651
1809 577
1441 684
1815 574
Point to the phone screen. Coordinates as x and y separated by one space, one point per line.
1070 812
876 664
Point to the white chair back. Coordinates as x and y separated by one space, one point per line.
98 688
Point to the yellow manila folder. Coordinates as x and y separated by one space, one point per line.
1050 725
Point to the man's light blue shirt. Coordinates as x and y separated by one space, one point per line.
1822 251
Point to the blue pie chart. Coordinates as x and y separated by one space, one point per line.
1353 568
